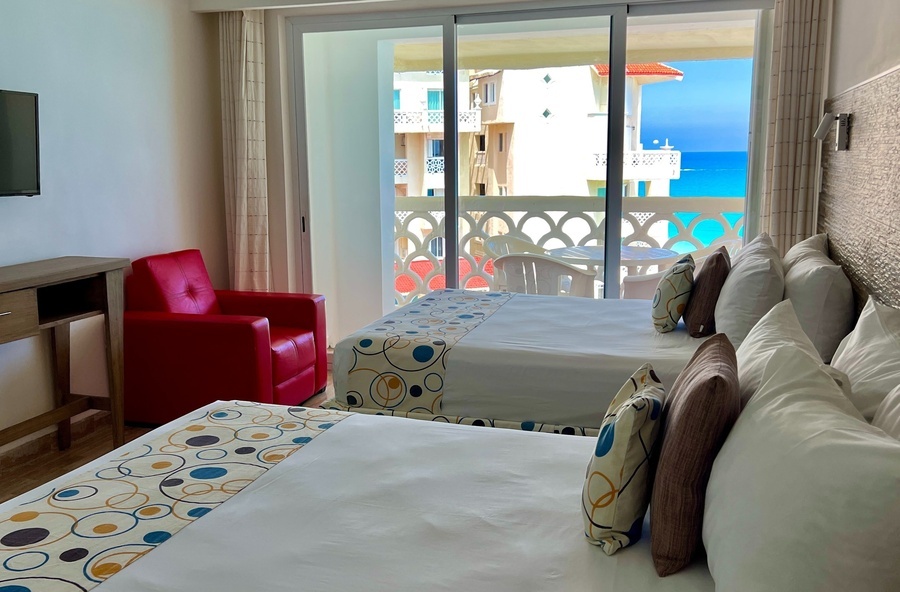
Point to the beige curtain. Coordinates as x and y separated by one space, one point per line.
796 93
242 55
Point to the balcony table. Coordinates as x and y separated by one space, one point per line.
632 257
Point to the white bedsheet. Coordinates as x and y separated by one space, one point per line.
383 503
558 360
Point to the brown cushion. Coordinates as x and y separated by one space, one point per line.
697 416
700 314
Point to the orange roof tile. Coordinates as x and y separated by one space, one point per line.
654 69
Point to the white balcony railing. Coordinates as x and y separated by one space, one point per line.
640 165
401 170
433 166
410 122
548 222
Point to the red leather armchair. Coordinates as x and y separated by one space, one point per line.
187 344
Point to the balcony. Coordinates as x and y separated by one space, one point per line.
548 222
432 121
434 171
640 165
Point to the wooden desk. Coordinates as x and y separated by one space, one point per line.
51 294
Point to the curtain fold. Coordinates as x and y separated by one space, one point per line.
800 35
242 69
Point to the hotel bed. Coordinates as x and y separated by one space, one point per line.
337 502
540 363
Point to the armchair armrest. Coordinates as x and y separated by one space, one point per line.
205 357
305 311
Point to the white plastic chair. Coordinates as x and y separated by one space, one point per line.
542 274
503 244
643 287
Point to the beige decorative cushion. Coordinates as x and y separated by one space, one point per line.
804 495
672 294
887 417
870 356
697 416
700 314
616 488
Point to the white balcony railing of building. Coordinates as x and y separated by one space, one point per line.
548 222
640 165
410 122
401 170
433 166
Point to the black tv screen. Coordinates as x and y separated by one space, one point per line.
19 149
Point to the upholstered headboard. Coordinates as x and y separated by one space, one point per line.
859 206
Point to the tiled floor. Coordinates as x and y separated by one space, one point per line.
25 476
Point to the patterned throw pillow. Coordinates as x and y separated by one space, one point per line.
672 294
617 485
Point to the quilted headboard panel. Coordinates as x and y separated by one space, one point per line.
859 206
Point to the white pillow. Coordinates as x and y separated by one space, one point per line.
887 417
804 495
817 244
761 244
616 488
823 300
870 356
754 285
780 327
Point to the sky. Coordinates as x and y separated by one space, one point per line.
708 111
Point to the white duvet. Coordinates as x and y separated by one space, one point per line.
558 360
383 503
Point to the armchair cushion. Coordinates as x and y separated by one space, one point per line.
175 282
293 351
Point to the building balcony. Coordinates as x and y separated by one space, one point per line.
432 121
640 165
681 223
434 171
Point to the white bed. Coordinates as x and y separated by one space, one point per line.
558 359
525 360
379 503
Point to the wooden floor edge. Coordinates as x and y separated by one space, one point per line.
33 449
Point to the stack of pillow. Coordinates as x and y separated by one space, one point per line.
730 295
765 459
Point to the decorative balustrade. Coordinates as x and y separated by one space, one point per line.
548 222
433 121
434 165
401 170
641 164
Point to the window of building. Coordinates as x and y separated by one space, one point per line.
435 148
434 192
396 99
435 99
503 191
482 142
436 246
490 93
500 142
480 189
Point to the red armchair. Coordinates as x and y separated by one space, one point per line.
187 344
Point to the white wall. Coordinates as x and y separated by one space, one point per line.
130 155
864 41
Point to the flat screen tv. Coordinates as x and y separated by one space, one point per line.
19 148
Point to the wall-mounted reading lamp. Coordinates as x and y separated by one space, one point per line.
842 141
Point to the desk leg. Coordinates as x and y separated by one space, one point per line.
62 377
115 305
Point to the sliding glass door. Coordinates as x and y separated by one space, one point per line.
533 137
601 141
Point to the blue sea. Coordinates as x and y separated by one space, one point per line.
709 174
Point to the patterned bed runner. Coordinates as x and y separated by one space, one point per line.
526 426
399 362
100 522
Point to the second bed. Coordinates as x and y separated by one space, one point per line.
541 363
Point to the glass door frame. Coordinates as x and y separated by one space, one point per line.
448 19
